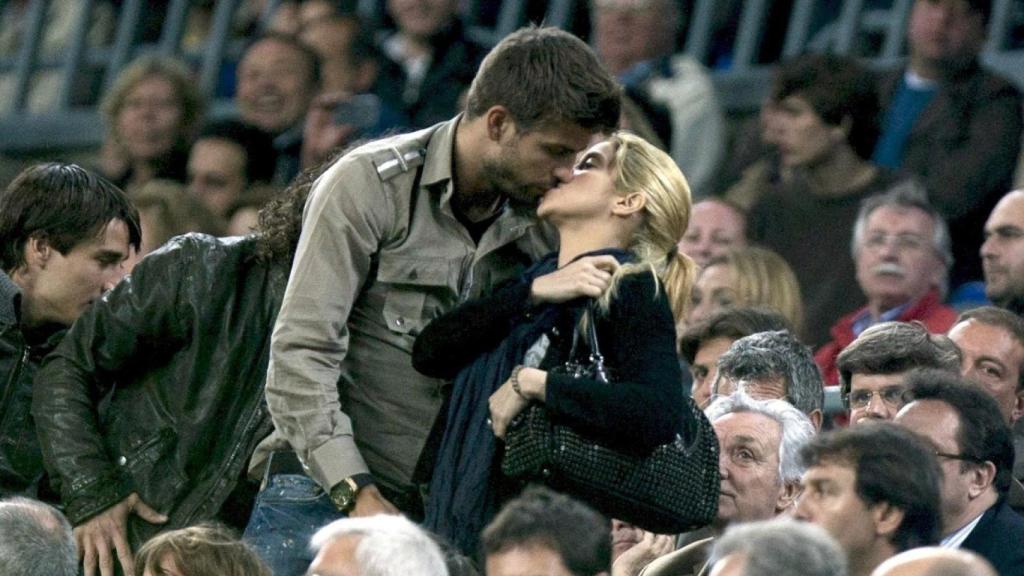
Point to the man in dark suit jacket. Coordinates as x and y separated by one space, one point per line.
974 448
953 124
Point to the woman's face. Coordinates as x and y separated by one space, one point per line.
715 289
149 123
800 134
590 192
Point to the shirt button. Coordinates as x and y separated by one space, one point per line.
399 322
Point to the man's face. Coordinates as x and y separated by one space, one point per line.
830 500
875 397
714 228
802 137
216 173
1002 254
945 32
422 18
627 32
896 262
773 388
705 368
536 560
939 423
752 488
992 358
528 164
337 558
275 85
64 285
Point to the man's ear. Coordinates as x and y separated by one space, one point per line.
499 122
788 494
629 204
1018 407
816 416
887 517
38 252
982 477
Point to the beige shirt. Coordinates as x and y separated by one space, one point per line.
381 254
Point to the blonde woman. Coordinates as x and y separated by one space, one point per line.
619 218
203 550
750 276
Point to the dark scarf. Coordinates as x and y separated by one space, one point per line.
463 497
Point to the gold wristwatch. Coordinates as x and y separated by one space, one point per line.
344 493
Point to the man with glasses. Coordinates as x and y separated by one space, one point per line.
873 367
972 442
901 249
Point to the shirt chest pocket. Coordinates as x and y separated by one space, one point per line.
417 290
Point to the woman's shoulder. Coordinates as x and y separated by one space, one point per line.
638 289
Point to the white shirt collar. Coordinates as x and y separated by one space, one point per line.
957 538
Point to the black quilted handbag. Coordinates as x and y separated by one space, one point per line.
673 489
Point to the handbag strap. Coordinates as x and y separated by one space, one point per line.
596 359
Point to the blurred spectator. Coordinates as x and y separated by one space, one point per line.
780 547
152 113
633 548
973 444
902 253
292 16
875 489
429 61
716 225
36 540
203 550
546 533
872 369
750 276
166 210
935 561
64 234
636 40
381 545
1002 254
243 216
825 127
226 160
772 365
760 441
277 78
955 125
348 57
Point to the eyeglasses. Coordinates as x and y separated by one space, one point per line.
961 457
911 242
891 396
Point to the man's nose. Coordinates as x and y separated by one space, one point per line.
563 172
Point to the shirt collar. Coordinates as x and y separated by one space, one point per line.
864 320
956 539
10 300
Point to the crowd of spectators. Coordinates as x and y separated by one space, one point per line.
292 338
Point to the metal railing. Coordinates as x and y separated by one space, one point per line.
741 85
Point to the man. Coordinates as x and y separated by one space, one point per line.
637 41
759 442
702 344
64 235
36 540
1002 254
773 365
397 232
902 254
931 561
974 447
716 225
169 445
543 533
950 122
872 369
376 546
780 547
875 489
277 79
225 161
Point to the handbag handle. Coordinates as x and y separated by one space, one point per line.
596 359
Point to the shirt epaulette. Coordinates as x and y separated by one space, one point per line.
391 162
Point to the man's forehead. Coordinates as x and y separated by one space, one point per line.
745 425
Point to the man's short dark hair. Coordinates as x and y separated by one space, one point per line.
258 146
543 74
838 88
731 323
894 348
1000 318
892 465
984 436
36 540
542 517
776 354
63 204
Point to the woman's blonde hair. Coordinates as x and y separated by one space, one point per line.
170 69
641 167
763 278
203 550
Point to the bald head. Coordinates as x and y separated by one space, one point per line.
935 562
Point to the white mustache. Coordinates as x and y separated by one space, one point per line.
889 268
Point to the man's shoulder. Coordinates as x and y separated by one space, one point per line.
392 156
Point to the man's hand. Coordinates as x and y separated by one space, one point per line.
320 135
108 531
370 502
589 276
649 548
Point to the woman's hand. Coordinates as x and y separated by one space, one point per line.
506 403
589 276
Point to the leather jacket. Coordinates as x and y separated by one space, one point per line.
158 388
21 464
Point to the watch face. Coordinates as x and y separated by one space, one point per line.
343 496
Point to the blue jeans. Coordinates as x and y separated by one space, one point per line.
287 513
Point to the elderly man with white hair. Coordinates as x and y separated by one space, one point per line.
382 545
760 441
